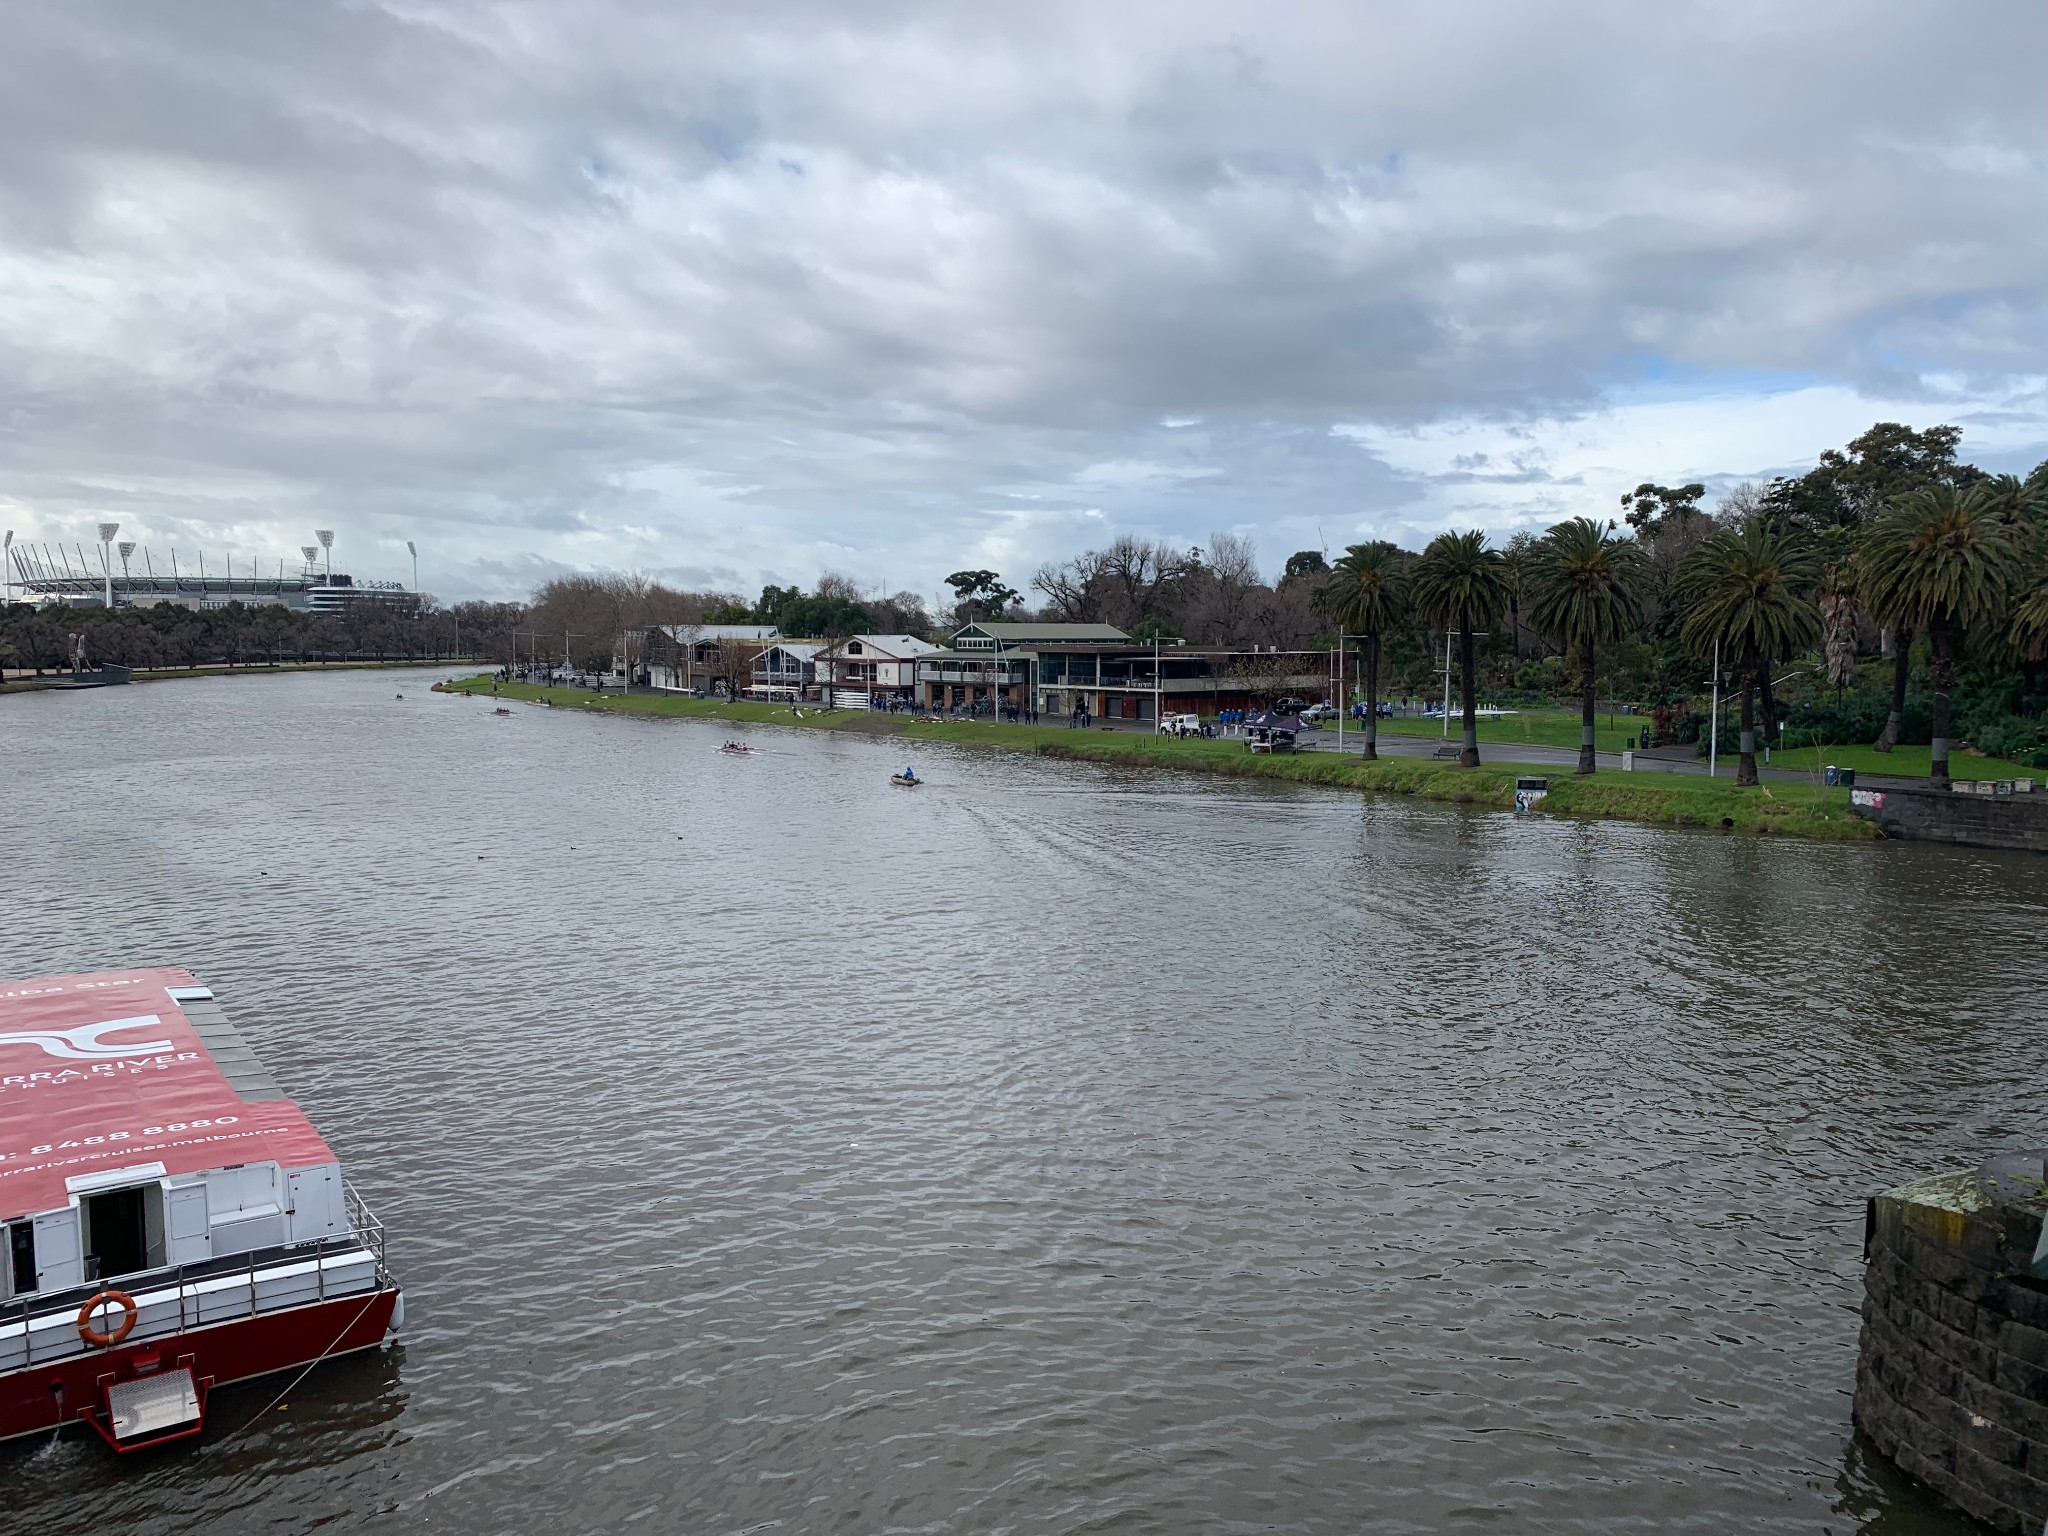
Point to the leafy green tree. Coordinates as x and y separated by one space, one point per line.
767 611
1458 584
1145 631
1942 561
829 617
1586 580
1304 565
980 595
1367 595
1847 488
1650 505
1745 593
1851 485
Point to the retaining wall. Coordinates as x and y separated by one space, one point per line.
1952 1376
1979 821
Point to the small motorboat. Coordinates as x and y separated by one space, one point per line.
906 778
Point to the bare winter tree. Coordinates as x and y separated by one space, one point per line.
1738 504
903 614
1071 589
1218 594
833 584
1124 584
734 666
591 612
1266 675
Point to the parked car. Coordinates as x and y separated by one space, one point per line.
1182 725
1318 712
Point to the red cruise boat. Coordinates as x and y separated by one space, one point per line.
172 1221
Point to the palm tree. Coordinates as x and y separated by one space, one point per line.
2028 631
1836 594
1942 561
1458 585
1586 580
1744 593
1518 567
1367 595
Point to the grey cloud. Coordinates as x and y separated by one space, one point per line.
753 289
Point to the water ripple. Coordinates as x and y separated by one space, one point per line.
1059 1149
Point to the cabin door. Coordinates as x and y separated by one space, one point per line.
116 1236
21 1258
56 1240
185 1220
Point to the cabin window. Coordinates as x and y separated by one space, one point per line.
21 1254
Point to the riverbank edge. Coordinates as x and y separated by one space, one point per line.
34 684
1777 810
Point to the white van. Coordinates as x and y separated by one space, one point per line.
1180 725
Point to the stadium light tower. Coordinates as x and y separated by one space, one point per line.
326 538
413 550
311 552
7 564
126 548
107 532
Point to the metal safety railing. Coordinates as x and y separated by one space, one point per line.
193 1283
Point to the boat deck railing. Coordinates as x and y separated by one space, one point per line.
366 1230
172 1299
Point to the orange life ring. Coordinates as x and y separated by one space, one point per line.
92 1335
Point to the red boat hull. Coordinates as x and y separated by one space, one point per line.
43 1396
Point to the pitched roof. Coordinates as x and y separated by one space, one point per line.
690 633
1046 634
892 647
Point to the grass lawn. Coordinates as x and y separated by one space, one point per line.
1538 727
1560 728
1799 809
1903 762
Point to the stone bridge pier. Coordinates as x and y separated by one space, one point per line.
1952 1374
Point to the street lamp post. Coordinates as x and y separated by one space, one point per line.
1714 725
1343 699
532 634
1447 685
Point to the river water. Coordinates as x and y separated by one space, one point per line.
765 1148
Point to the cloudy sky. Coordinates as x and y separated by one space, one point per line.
740 293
